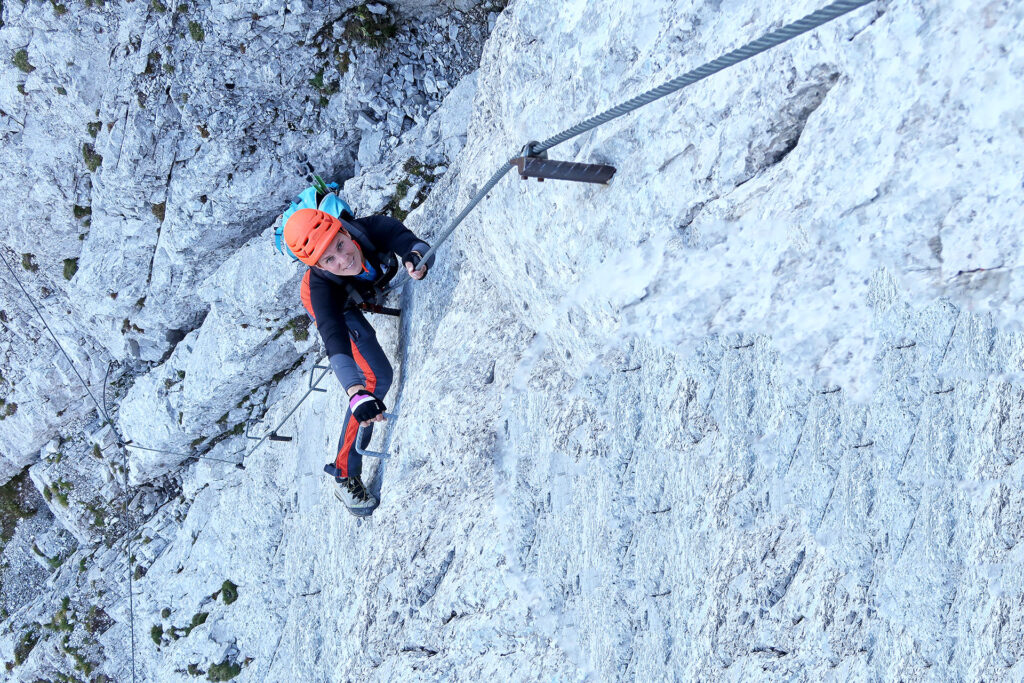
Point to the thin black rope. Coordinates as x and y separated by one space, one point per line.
28 296
101 409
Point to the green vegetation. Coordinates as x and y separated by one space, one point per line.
61 620
60 491
344 62
81 212
20 60
168 68
81 663
197 620
94 129
224 671
14 505
99 515
325 90
7 409
298 326
25 644
165 612
96 452
151 61
196 31
58 8
92 158
176 632
28 262
229 592
372 30
414 169
156 633
61 90
70 268
158 6
159 210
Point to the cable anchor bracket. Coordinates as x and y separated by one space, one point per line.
532 164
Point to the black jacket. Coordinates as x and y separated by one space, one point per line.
327 296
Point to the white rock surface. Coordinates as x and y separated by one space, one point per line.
750 412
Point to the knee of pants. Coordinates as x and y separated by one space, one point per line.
385 376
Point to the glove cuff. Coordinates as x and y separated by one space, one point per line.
359 398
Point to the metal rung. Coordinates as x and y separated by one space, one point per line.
535 167
312 371
359 440
248 425
277 437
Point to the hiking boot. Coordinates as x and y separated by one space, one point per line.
353 494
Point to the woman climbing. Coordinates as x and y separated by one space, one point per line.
350 261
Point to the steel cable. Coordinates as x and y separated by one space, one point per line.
756 47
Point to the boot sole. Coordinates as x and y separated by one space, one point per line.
358 512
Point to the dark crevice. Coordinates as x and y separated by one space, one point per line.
790 121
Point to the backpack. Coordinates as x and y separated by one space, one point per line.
319 195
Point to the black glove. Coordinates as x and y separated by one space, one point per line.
414 258
365 406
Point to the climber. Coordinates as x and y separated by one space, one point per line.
350 262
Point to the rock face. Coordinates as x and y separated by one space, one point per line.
752 410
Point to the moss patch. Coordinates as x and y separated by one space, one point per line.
20 60
224 671
24 646
92 158
14 505
28 262
414 169
70 268
372 30
298 326
195 30
229 592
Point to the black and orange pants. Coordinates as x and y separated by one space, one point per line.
377 376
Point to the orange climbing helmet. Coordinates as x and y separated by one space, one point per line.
308 233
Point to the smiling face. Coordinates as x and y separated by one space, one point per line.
342 256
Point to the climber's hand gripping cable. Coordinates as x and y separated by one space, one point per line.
415 266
